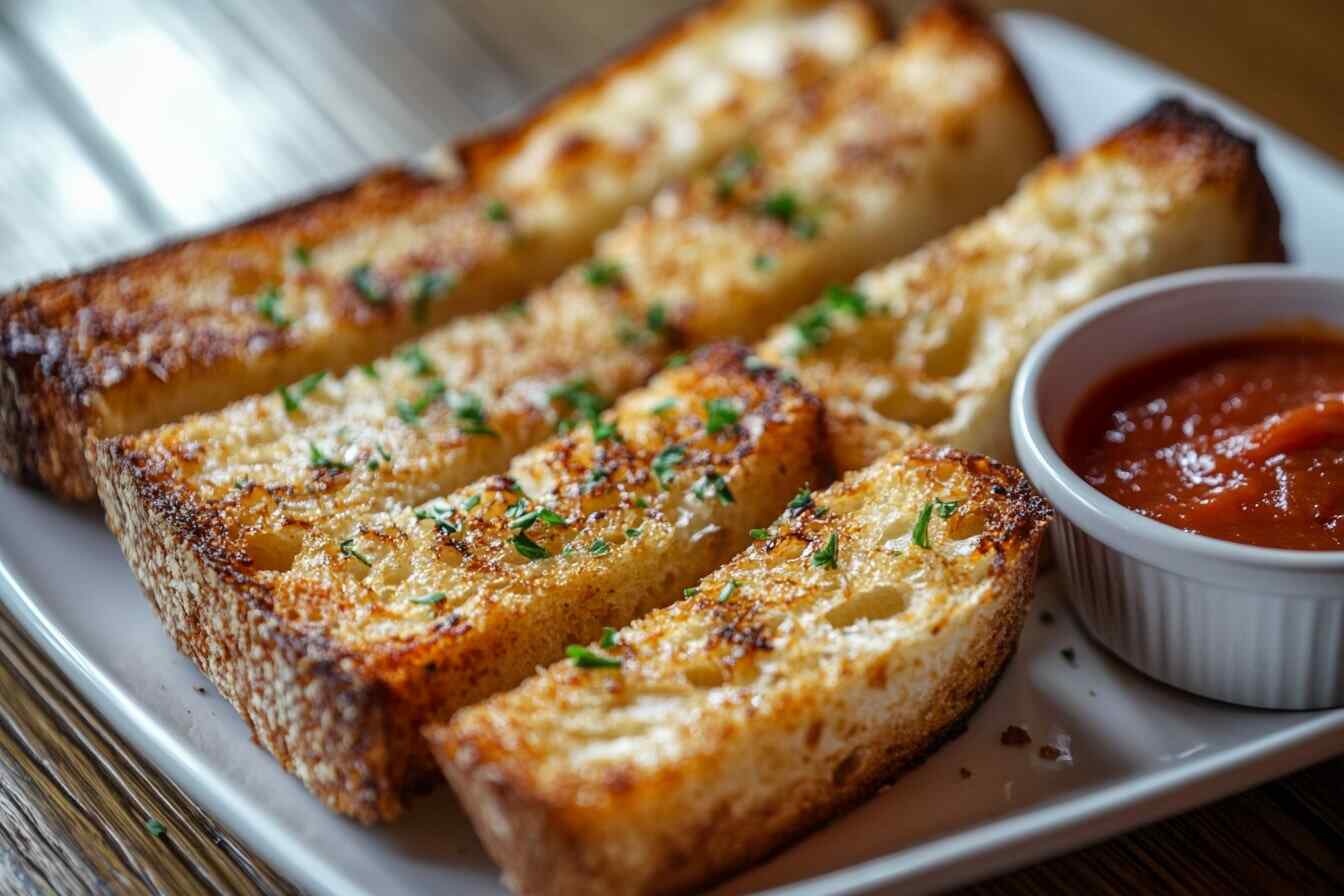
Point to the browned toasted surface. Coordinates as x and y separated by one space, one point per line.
926 348
336 640
799 678
341 278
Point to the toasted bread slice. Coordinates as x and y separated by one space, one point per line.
342 278
798 679
336 638
926 349
915 138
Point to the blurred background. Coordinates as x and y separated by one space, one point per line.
126 122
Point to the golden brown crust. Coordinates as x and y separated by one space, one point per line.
561 817
139 342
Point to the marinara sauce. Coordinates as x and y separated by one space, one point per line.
1240 440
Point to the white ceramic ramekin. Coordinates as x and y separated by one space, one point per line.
1256 626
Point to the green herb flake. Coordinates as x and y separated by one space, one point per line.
920 534
826 557
713 485
847 299
759 534
800 502
733 170
320 459
945 508
524 521
268 306
665 461
608 639
528 548
721 413
497 211
656 319
440 515
728 590
604 430
632 534
516 308
370 371
428 286
663 407
762 262
429 600
603 273
599 548
641 503
470 414
348 549
677 360
301 390
690 592
781 205
418 361
302 256
585 658
469 504
410 412
367 284
155 827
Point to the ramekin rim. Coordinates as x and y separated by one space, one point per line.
1107 519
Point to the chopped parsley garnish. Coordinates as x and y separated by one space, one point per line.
370 371
605 429
656 319
632 534
440 514
713 485
418 361
497 211
603 273
411 411
690 592
155 827
663 406
367 284
319 458
471 415
733 170
585 658
429 600
528 548
302 256
470 503
945 508
599 548
543 514
827 556
813 325
760 534
348 549
664 462
677 360
608 639
427 287
762 262
641 503
268 306
728 590
920 535
721 413
800 502
516 308
586 404
595 476
302 390
784 206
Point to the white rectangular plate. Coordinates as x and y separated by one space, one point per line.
1140 751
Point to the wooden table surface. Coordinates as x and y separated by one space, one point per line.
126 121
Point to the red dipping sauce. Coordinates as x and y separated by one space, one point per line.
1240 440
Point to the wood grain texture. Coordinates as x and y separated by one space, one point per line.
337 83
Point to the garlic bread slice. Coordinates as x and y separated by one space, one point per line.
337 638
796 680
926 348
344 277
